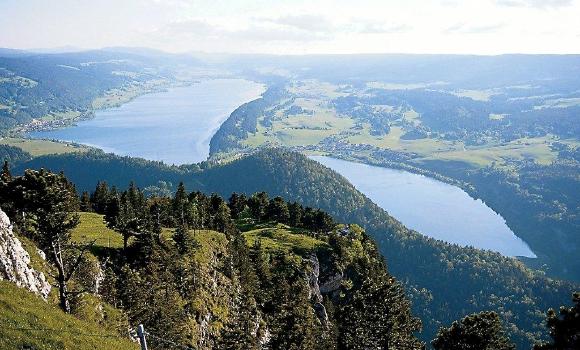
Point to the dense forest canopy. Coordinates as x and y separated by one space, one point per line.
202 272
426 267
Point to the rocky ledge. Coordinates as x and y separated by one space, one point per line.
15 262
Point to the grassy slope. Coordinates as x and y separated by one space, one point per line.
42 147
46 327
283 239
275 237
22 309
93 228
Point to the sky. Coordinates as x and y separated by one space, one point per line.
296 27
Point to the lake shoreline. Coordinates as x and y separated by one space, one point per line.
37 125
491 222
174 125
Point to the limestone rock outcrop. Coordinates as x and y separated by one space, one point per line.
15 262
314 289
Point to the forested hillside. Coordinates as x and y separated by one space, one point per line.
53 90
201 272
498 125
427 267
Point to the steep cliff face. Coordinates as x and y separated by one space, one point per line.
15 262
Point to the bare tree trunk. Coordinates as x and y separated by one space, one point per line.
61 278
125 241
63 293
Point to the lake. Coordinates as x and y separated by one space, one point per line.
432 207
174 126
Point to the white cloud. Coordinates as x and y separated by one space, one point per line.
297 26
376 27
543 4
307 22
192 27
464 28
284 30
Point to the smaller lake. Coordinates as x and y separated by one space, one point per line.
174 126
432 207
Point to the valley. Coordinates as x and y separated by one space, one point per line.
290 175
442 133
172 126
450 180
141 129
419 202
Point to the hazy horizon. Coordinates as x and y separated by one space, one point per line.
484 27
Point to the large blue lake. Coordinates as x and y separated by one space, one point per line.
176 126
173 126
432 207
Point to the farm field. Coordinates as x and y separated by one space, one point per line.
42 147
319 125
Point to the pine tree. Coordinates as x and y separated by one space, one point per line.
128 214
100 197
151 297
377 316
480 331
184 242
258 205
222 220
50 201
239 332
295 212
237 204
85 203
278 211
180 204
294 326
564 328
6 175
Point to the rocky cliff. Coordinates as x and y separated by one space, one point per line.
15 262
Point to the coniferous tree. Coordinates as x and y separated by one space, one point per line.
258 204
237 204
184 242
85 202
278 210
480 331
47 203
6 175
180 204
151 297
222 219
295 212
564 327
377 316
294 325
128 214
100 197
261 261
241 331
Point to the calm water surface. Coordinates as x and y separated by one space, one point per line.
432 207
174 126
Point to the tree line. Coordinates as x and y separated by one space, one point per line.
161 281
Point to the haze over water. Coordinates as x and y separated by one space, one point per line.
174 126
